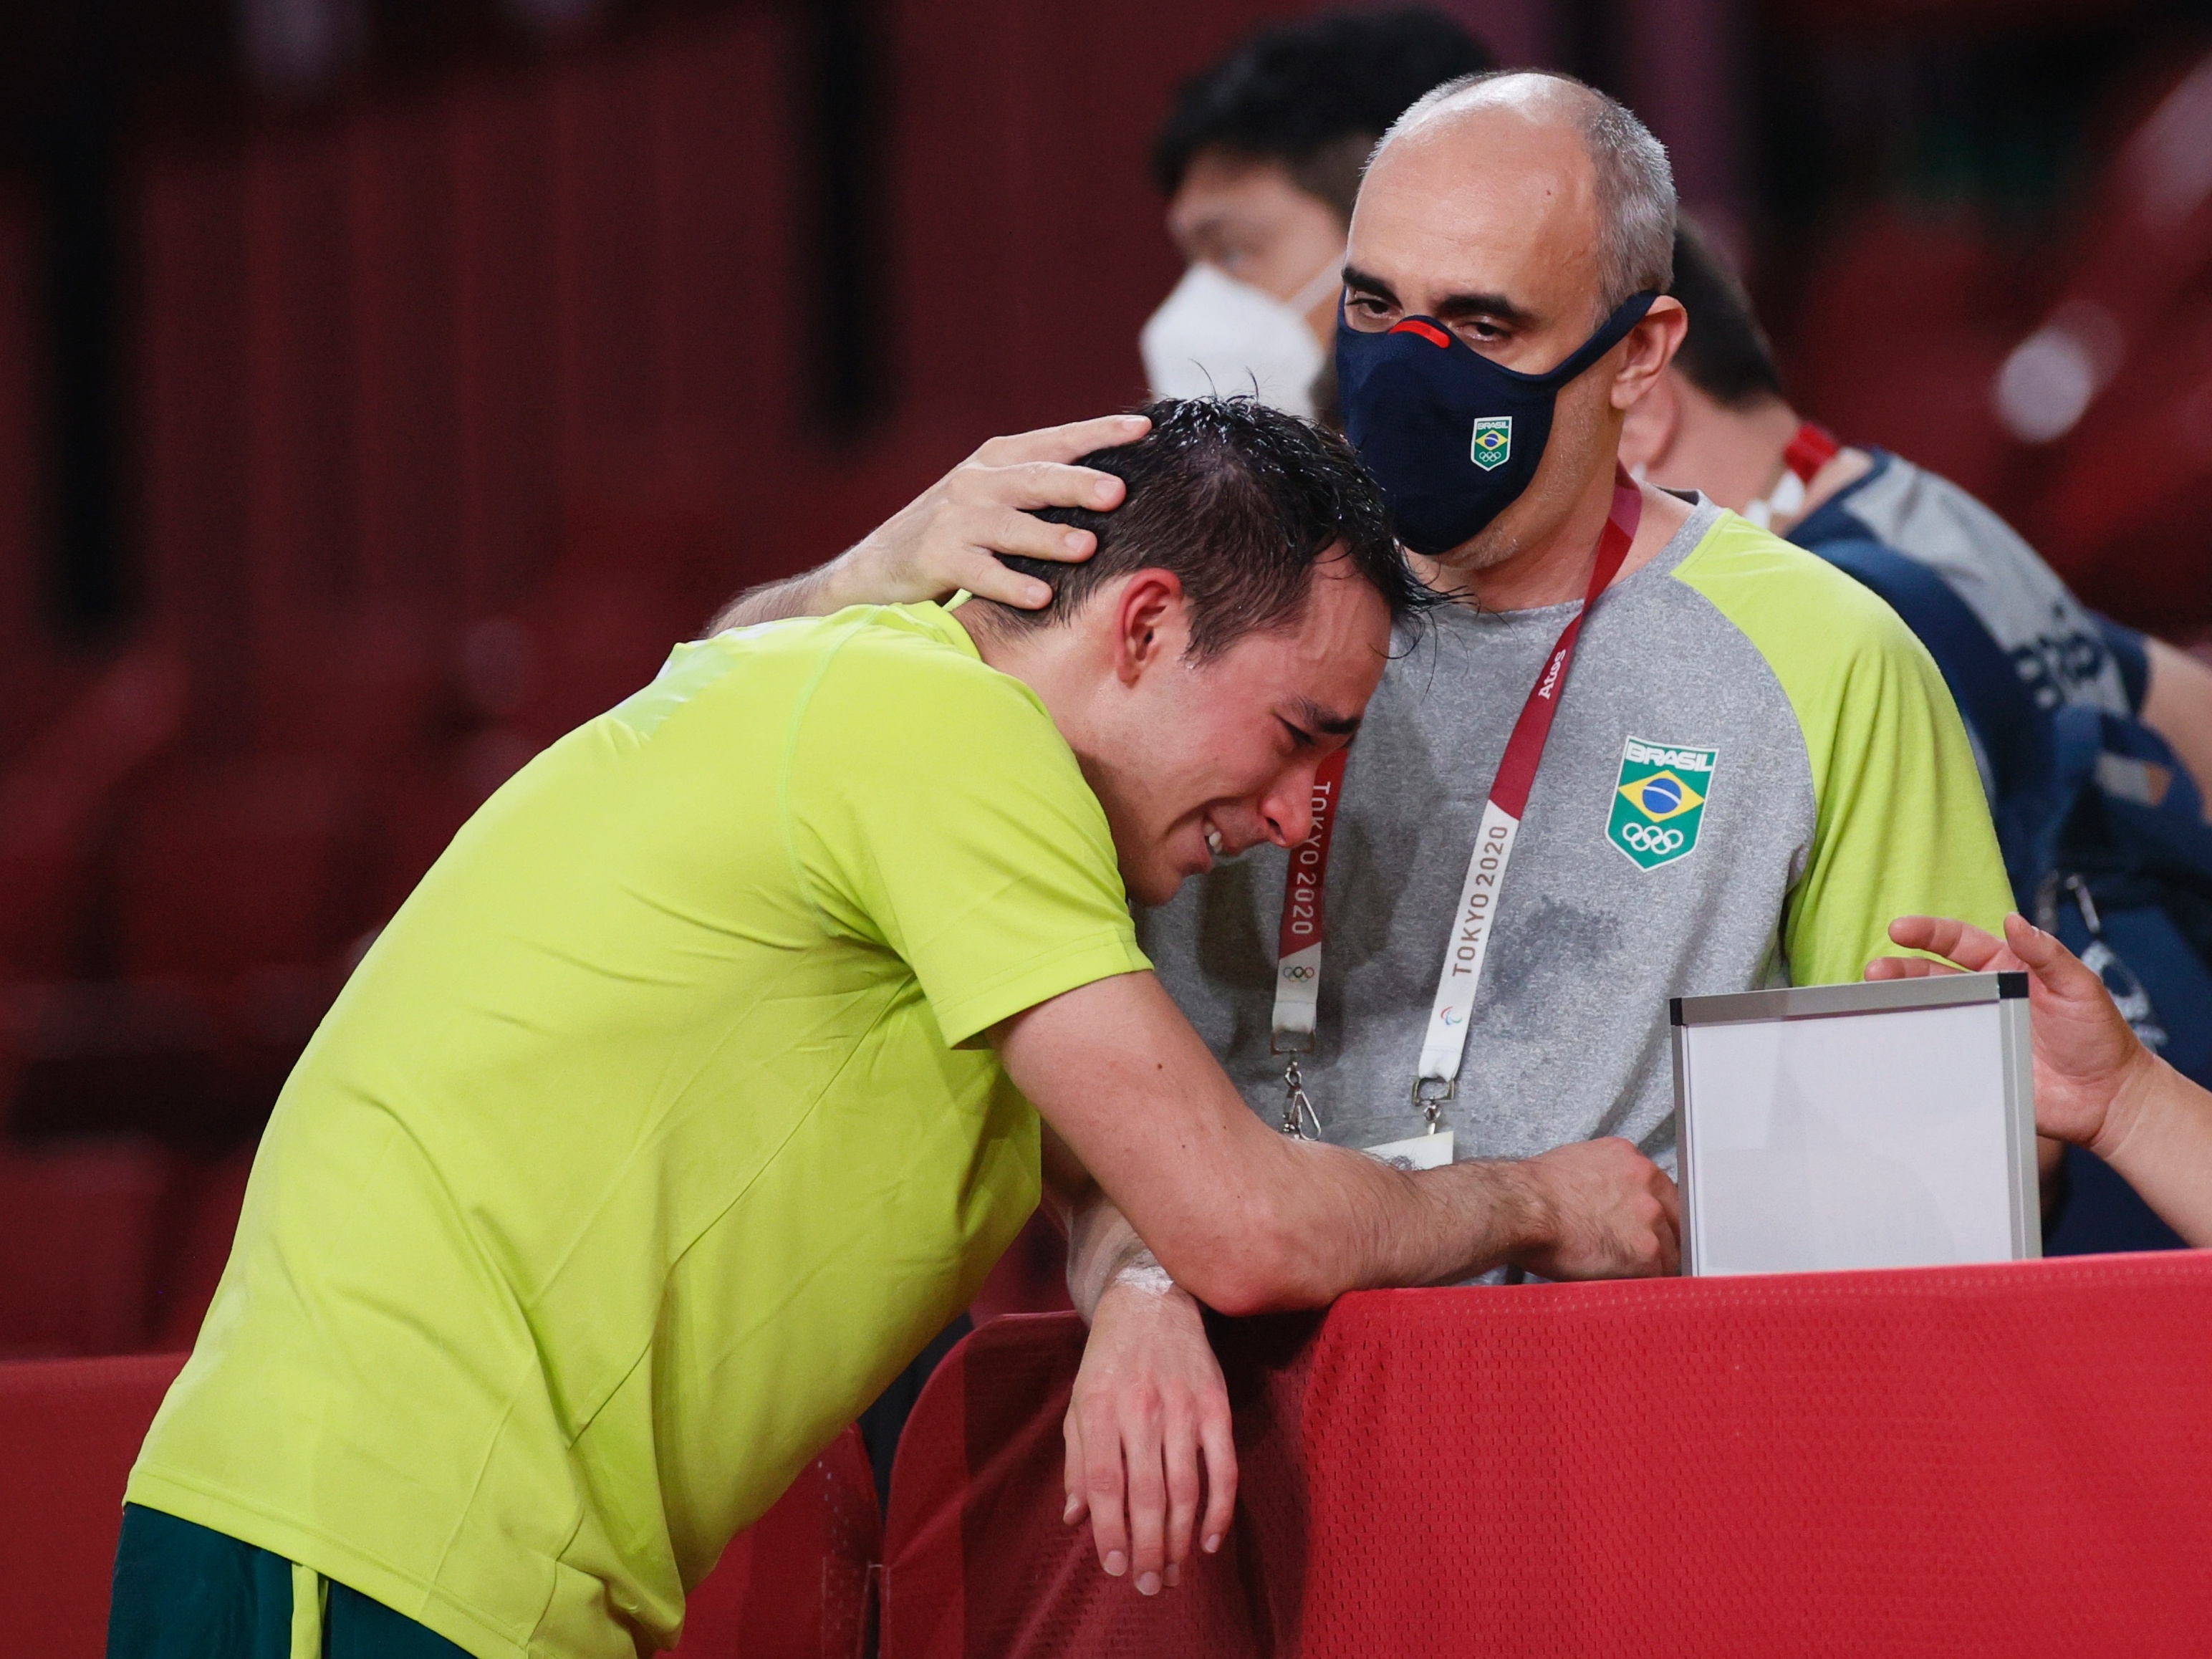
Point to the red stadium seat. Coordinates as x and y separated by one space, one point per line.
69 1433
224 868
801 1584
2008 1460
205 1221
54 799
78 1227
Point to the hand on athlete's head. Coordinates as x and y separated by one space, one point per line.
950 536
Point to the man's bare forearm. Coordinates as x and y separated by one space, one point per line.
1248 1220
1104 1248
803 595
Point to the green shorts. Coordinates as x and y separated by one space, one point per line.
184 1591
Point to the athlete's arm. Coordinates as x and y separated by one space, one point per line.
2096 1085
1248 1220
2177 705
946 539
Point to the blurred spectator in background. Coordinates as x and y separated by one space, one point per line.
2110 396
1718 421
1259 163
2094 741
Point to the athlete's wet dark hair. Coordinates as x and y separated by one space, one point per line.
1241 502
1725 354
1314 96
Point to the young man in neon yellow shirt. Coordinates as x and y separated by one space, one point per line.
691 1092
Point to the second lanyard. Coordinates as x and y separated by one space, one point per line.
1298 952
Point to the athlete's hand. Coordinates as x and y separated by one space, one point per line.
2086 1056
946 539
1603 1209
1150 1413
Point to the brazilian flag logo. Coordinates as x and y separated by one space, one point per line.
1494 442
1659 800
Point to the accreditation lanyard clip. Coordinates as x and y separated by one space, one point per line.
1298 954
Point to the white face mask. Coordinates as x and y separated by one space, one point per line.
1216 336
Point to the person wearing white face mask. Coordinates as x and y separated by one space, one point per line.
1260 162
1217 335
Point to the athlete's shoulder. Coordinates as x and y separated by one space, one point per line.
897 656
1787 601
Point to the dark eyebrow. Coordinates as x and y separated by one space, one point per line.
1312 714
1452 307
1355 278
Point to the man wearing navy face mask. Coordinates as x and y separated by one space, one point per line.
1733 776
1753 769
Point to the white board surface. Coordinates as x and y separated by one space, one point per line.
1876 1139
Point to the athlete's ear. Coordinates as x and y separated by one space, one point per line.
1150 624
1652 344
1649 428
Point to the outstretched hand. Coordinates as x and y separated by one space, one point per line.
2085 1054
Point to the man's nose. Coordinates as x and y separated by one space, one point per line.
1287 808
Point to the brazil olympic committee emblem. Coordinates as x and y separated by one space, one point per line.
1494 442
1659 801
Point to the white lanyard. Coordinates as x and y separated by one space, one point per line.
1299 945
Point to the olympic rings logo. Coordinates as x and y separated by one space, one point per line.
1297 971
1651 838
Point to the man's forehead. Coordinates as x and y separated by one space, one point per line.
1492 197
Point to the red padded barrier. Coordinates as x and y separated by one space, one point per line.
2008 1461
800 1583
68 1432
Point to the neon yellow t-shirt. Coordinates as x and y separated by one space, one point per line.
652 1139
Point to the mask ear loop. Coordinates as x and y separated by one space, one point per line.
1330 276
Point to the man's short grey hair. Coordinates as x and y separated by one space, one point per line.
1635 183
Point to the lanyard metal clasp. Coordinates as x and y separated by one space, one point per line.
1432 1104
1297 1110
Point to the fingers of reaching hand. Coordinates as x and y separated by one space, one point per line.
1907 968
2050 961
1064 443
1956 941
2057 972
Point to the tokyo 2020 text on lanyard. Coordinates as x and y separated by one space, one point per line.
1299 945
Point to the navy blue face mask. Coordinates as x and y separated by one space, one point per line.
1452 437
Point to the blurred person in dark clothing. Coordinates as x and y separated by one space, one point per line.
1717 420
2093 740
1259 163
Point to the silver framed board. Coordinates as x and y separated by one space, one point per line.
1882 1125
